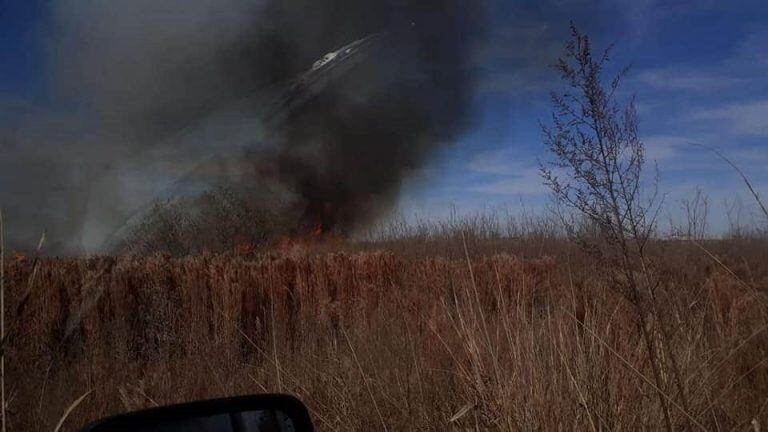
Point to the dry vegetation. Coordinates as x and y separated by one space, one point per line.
471 324
404 338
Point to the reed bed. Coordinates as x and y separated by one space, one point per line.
481 339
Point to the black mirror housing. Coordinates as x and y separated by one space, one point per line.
258 413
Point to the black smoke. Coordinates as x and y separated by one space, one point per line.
142 85
152 100
346 153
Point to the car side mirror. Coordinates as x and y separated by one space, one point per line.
259 413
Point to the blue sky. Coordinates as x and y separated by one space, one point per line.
700 72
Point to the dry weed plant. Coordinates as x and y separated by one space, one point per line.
597 171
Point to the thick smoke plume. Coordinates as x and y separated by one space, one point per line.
165 96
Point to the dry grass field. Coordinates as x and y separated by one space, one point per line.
227 161
421 334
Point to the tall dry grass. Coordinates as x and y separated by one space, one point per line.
403 338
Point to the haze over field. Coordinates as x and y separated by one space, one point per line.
105 107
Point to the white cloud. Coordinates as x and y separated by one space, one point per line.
758 155
748 118
501 162
678 153
524 80
664 147
687 79
527 183
511 172
753 50
516 58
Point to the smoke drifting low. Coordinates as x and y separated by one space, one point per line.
157 88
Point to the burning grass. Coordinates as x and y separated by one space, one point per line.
374 340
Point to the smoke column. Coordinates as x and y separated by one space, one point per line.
156 99
142 79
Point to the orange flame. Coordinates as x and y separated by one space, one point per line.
298 243
19 257
244 247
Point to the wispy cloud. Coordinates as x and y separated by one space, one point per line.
683 154
517 56
662 148
504 162
747 118
753 50
528 183
506 172
515 82
688 79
